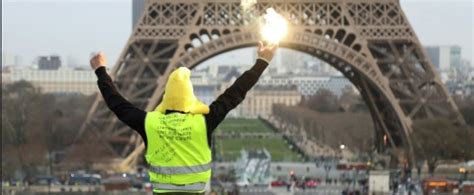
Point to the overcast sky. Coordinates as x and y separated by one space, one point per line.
75 28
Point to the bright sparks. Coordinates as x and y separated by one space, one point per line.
274 28
247 4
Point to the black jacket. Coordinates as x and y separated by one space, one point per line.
135 117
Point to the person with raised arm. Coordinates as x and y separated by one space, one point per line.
177 134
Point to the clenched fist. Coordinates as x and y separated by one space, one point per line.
98 61
266 52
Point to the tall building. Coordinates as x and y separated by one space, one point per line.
49 62
137 10
43 61
455 57
445 57
55 62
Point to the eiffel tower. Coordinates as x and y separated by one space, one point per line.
371 42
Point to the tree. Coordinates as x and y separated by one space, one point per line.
349 101
323 101
87 151
440 139
466 107
355 130
21 123
35 124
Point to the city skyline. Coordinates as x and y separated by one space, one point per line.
84 36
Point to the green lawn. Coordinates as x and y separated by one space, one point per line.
229 148
243 125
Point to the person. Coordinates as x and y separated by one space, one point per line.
177 134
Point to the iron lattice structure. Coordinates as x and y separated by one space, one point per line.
370 41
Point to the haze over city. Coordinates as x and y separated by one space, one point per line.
73 29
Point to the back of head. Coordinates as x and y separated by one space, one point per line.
179 94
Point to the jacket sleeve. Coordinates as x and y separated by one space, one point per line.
123 109
233 95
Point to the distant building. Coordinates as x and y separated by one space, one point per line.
6 76
445 57
469 89
205 93
62 81
309 85
469 84
287 89
455 88
137 9
455 57
260 100
204 86
9 59
209 84
220 72
287 60
49 62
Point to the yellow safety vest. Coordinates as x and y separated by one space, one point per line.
178 153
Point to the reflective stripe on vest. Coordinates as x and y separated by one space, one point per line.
190 187
180 170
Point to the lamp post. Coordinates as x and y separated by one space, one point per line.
327 168
342 147
463 173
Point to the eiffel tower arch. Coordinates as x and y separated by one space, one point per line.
370 41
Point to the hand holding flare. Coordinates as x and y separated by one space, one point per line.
266 52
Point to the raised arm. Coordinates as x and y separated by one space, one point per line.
123 109
235 94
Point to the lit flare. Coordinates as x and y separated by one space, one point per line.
274 28
247 4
